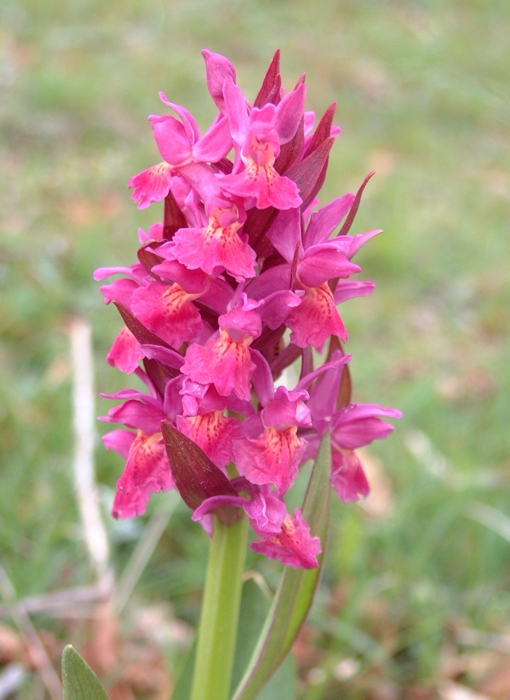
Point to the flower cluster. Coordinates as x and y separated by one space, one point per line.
240 280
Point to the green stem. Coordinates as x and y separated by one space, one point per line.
220 612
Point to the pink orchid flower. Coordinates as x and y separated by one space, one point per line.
240 279
258 136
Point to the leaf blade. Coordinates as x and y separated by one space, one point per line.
254 607
78 679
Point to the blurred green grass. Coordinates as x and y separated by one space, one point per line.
422 91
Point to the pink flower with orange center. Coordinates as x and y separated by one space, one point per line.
316 318
218 246
168 311
258 136
147 467
294 546
151 185
273 458
224 362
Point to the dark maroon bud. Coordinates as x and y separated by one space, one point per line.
196 476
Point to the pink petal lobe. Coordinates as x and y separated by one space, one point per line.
359 424
125 353
147 467
277 307
172 140
119 291
120 441
214 144
263 182
324 221
315 319
289 113
273 458
213 432
224 362
348 289
168 311
294 546
215 247
151 185
141 415
266 513
287 408
322 263
236 110
347 475
285 233
188 120
102 273
129 504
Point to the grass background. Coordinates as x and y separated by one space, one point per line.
415 595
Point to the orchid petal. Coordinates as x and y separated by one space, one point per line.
147 467
218 69
151 185
273 458
294 546
237 113
224 362
213 432
285 233
130 503
348 289
188 120
125 352
324 221
214 144
289 113
322 263
277 307
120 441
167 310
347 476
315 319
137 414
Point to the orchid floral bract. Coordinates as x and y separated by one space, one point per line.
241 279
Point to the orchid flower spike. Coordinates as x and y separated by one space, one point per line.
241 278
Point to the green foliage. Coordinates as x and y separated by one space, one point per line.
255 605
78 679
254 608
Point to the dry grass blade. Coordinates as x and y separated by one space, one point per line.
142 553
491 517
62 601
31 639
11 679
83 423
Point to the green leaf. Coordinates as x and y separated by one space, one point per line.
182 690
294 597
255 604
79 680
282 685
